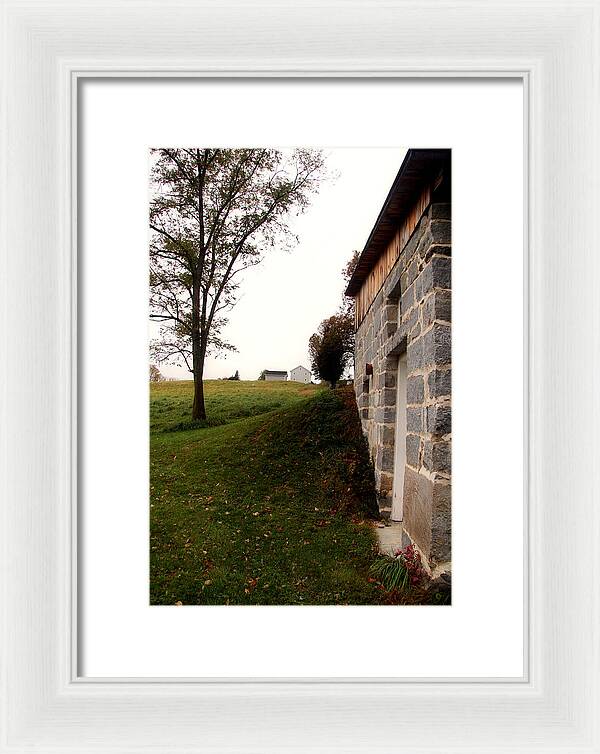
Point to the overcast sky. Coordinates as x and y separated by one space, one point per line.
283 300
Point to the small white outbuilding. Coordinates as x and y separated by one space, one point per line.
300 374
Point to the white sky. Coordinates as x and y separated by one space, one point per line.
283 300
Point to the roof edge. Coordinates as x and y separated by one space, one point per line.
425 160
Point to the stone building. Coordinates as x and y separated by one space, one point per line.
402 366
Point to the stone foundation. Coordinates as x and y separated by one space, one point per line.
412 314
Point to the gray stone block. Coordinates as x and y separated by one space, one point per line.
437 456
437 345
415 390
389 313
413 445
394 345
408 299
412 272
439 419
439 383
385 414
390 365
441 211
442 457
389 329
387 434
417 234
422 284
441 269
441 524
436 274
391 287
437 305
440 249
384 459
409 318
387 397
409 321
441 231
424 243
414 419
386 379
414 355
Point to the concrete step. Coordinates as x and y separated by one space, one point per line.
389 537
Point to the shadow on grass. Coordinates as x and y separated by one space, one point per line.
220 420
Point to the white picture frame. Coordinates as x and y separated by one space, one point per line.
553 47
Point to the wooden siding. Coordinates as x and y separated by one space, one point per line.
376 277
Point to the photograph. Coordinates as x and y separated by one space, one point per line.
300 376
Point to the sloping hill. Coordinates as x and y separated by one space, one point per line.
269 505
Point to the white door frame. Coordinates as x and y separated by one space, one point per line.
399 442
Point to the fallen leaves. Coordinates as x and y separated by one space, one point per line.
281 536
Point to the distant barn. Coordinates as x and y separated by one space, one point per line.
300 374
274 375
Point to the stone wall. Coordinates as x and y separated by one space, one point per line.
411 314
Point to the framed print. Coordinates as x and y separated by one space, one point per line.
378 512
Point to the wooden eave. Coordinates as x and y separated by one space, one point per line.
419 167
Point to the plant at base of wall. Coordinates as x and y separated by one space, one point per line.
399 571
391 572
412 561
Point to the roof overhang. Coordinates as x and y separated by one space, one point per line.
419 167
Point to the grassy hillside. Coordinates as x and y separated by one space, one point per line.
226 401
266 504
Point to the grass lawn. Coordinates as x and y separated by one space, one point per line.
268 503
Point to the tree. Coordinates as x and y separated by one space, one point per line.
331 347
235 376
155 375
261 376
213 214
347 306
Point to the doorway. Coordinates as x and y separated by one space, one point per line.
400 442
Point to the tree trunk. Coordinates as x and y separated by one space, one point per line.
199 354
198 409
